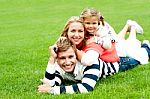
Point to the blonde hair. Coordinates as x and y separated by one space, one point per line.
70 21
90 12
63 44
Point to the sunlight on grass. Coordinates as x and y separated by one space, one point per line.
29 27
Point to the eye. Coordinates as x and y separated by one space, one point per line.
73 30
80 31
95 23
87 23
62 58
71 56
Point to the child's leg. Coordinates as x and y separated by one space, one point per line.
127 28
135 28
132 35
123 32
127 63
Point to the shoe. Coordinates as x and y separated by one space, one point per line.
129 22
146 42
138 28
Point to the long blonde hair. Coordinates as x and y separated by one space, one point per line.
70 21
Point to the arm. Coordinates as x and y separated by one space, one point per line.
89 58
105 35
79 54
51 76
111 29
105 42
90 77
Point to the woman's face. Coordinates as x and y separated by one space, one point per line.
91 24
76 32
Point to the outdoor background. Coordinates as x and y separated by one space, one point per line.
29 27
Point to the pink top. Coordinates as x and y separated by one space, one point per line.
107 55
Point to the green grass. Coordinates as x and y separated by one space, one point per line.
29 27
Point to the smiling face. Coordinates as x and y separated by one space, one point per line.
67 60
76 32
91 24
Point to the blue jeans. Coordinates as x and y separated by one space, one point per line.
147 48
127 63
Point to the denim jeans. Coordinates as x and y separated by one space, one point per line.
147 48
127 63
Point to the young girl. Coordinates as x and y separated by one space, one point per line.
96 26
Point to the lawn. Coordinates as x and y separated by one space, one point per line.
29 27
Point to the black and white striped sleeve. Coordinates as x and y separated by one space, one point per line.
90 77
52 76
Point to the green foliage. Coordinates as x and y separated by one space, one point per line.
29 27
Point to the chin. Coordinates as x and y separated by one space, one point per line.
76 43
68 70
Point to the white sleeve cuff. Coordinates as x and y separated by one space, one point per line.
55 90
51 68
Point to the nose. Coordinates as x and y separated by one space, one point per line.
77 33
67 61
90 25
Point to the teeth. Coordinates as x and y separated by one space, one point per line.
68 67
76 39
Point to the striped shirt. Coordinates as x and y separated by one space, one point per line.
87 75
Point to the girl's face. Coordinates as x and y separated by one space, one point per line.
91 24
76 32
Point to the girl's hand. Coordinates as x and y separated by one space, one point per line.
106 43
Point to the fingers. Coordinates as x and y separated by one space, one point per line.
53 50
41 88
44 88
61 38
